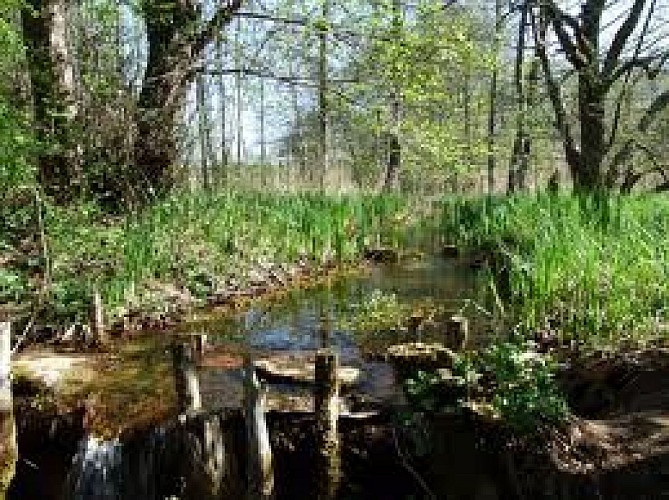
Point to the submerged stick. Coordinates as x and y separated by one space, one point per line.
326 407
260 469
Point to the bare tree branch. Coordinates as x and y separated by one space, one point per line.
539 31
660 103
223 16
626 85
558 19
622 36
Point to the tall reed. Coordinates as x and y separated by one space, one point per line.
596 272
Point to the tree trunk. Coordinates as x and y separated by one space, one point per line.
52 75
390 180
203 132
587 172
174 45
222 175
518 158
238 90
492 112
163 94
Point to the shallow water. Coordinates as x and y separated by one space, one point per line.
310 319
296 325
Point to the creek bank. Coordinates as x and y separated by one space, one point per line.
166 304
614 444
227 294
615 450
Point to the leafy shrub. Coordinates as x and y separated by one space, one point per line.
517 382
12 286
523 387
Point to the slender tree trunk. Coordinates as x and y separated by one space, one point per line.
323 96
223 166
467 125
203 131
521 144
492 112
394 163
263 139
238 88
390 180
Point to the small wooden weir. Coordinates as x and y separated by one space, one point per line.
219 454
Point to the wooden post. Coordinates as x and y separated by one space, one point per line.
97 318
186 380
260 472
199 345
456 332
326 407
5 362
8 445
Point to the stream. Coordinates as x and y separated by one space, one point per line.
291 328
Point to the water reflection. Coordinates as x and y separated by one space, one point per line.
306 320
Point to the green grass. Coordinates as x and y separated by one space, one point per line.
597 272
192 239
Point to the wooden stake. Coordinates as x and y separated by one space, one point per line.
5 365
8 445
186 380
97 318
260 470
199 345
326 407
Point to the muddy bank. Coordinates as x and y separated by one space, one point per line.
615 445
